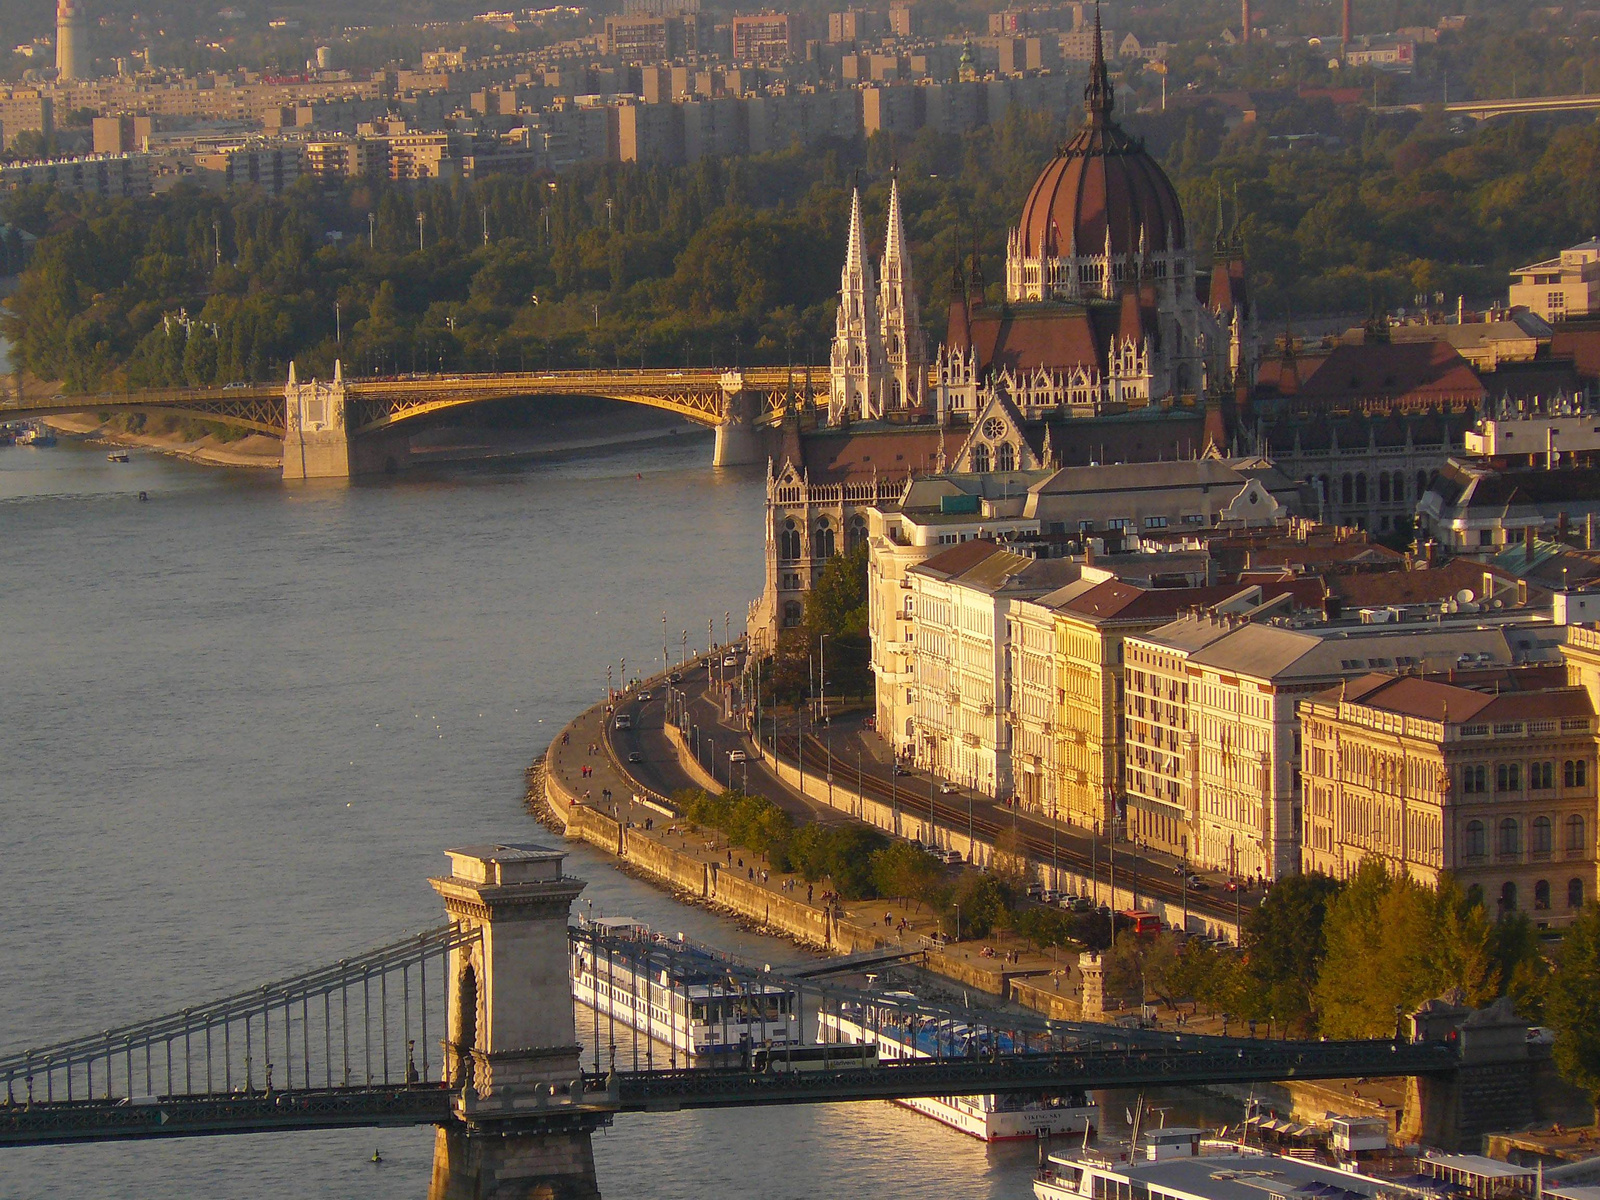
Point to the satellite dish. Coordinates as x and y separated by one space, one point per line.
1465 596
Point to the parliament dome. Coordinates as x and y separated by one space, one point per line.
1101 179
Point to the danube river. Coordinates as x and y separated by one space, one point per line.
240 721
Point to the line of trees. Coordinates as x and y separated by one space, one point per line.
737 260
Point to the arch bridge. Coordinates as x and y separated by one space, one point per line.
350 426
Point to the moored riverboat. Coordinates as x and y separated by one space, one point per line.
901 1033
682 996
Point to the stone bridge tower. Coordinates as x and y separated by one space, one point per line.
318 442
522 1125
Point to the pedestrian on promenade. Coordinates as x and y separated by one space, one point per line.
808 893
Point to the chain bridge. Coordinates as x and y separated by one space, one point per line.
471 1027
351 426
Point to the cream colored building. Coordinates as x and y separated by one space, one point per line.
1561 287
960 660
1213 740
1490 782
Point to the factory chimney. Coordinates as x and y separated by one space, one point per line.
73 57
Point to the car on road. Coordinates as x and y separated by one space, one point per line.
624 721
635 757
952 858
948 789
1196 884
1035 890
900 769
737 756
1083 905
675 677
644 697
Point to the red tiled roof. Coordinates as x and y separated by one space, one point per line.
1408 372
959 558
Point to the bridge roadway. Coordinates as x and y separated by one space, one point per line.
1484 110
376 403
1186 1060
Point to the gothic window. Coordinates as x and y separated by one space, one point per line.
791 613
1476 845
980 459
1509 841
822 544
1574 893
1400 487
1361 488
1347 490
1383 488
1541 896
789 541
1575 833
1005 457
856 536
1541 835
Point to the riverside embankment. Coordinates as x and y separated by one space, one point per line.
612 811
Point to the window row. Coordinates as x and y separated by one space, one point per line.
1508 836
1508 776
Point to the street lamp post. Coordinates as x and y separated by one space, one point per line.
958 922
666 664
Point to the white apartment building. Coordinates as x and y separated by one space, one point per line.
1561 287
1213 738
959 659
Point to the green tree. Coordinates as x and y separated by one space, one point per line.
907 873
1572 1005
1284 948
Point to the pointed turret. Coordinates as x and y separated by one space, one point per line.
905 351
1098 97
857 361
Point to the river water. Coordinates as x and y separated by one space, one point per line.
240 721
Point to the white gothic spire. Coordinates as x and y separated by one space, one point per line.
857 359
905 350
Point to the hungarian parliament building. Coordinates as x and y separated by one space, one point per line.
1107 317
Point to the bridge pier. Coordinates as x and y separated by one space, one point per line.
317 442
739 442
1491 1090
521 1120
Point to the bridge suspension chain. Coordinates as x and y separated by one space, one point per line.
362 1022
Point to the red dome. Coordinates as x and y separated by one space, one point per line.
1101 177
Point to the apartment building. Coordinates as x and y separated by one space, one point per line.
1561 287
1213 741
96 174
960 659
766 37
1493 781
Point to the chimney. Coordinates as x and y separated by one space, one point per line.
1244 21
1344 28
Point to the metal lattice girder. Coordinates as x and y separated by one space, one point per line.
126 1043
1262 1062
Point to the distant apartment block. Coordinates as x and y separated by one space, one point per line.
856 25
766 37
1557 288
98 175
651 39
271 167
1389 56
904 20
25 110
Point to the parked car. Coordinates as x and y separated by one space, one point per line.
953 858
1083 905
1035 891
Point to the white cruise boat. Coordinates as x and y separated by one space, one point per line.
681 995
901 1033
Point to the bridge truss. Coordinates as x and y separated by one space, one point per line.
344 1044
376 403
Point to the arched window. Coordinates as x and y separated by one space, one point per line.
1400 487
791 613
856 535
1005 457
1361 488
1346 490
822 545
1508 898
1575 833
1383 487
1574 893
1477 843
789 541
1541 835
1541 896
1509 841
980 459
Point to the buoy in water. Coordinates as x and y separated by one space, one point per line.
376 1157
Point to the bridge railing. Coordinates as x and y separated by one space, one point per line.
361 1022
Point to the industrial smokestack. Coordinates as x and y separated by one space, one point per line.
1344 28
1244 21
73 58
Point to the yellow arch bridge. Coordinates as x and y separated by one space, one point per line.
343 427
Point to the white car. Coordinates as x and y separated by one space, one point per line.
737 756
